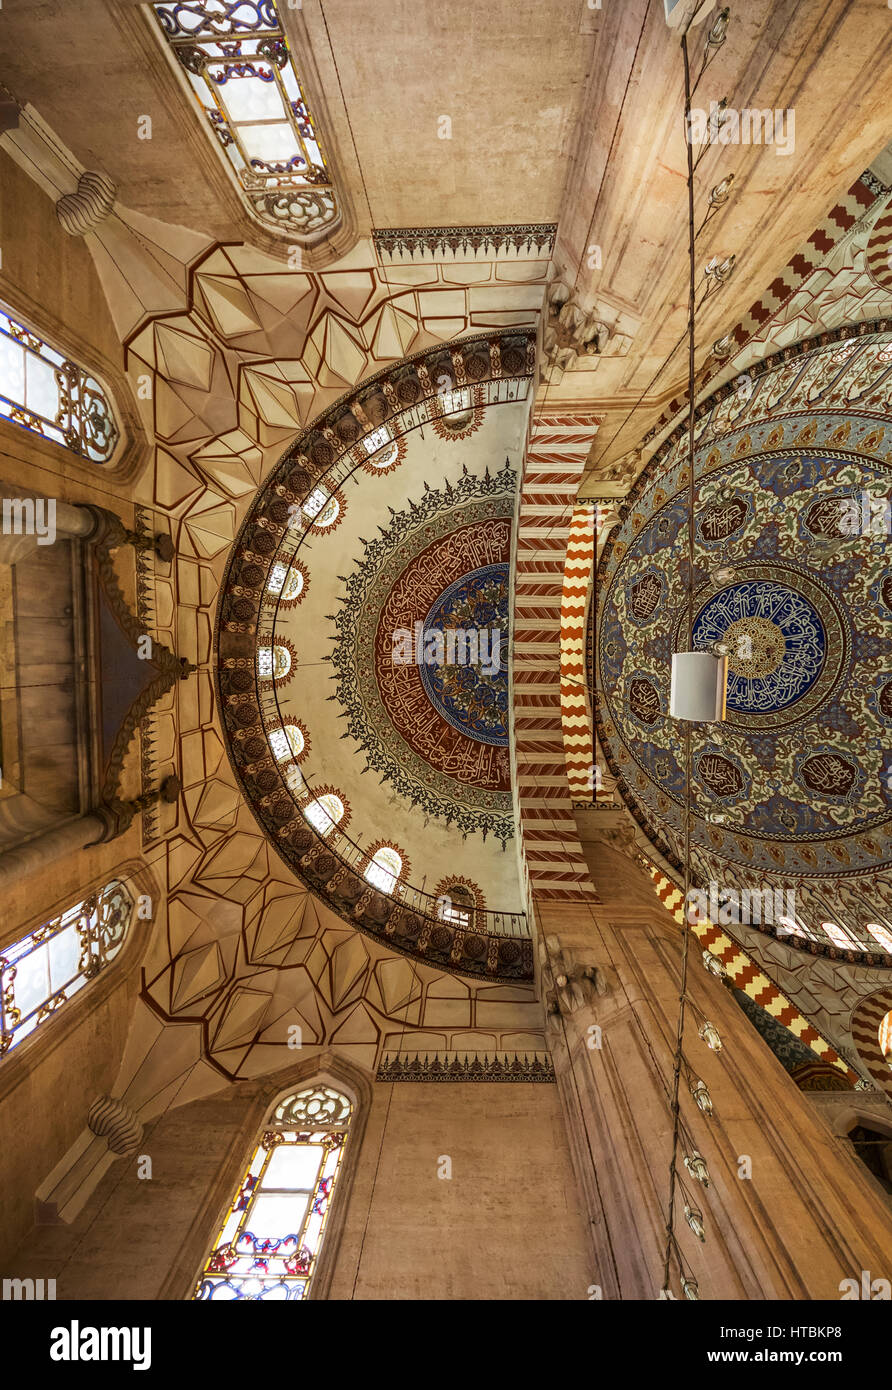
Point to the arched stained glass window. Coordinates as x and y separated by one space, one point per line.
293 586
268 1247
287 582
45 392
385 869
321 508
839 936
880 934
385 457
237 62
456 402
377 440
325 812
885 1037
43 970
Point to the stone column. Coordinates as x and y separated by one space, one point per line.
806 1218
37 855
70 521
107 821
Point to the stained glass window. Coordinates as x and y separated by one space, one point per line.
885 1036
288 583
385 457
839 936
43 391
293 586
325 812
453 402
880 934
42 971
456 905
376 440
385 869
268 1247
321 508
273 663
236 59
287 742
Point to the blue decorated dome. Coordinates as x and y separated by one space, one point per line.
793 580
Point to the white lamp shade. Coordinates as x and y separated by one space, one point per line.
677 12
699 684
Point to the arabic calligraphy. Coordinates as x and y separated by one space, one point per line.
644 700
719 774
828 773
766 612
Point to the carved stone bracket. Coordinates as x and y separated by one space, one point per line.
116 1123
570 983
571 332
117 815
82 212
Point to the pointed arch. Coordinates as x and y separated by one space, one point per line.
258 1102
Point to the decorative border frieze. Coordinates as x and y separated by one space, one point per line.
515 238
463 1066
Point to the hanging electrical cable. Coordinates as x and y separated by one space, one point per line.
698 692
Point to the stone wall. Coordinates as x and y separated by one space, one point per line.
508 1223
47 1084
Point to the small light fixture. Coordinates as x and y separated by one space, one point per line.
719 272
710 1035
716 36
698 686
696 1166
690 1288
702 1097
694 1219
721 192
714 965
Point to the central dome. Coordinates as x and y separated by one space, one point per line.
795 586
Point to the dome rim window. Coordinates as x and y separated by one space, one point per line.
385 868
325 821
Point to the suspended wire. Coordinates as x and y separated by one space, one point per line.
686 934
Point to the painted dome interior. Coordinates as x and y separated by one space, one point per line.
797 780
408 728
